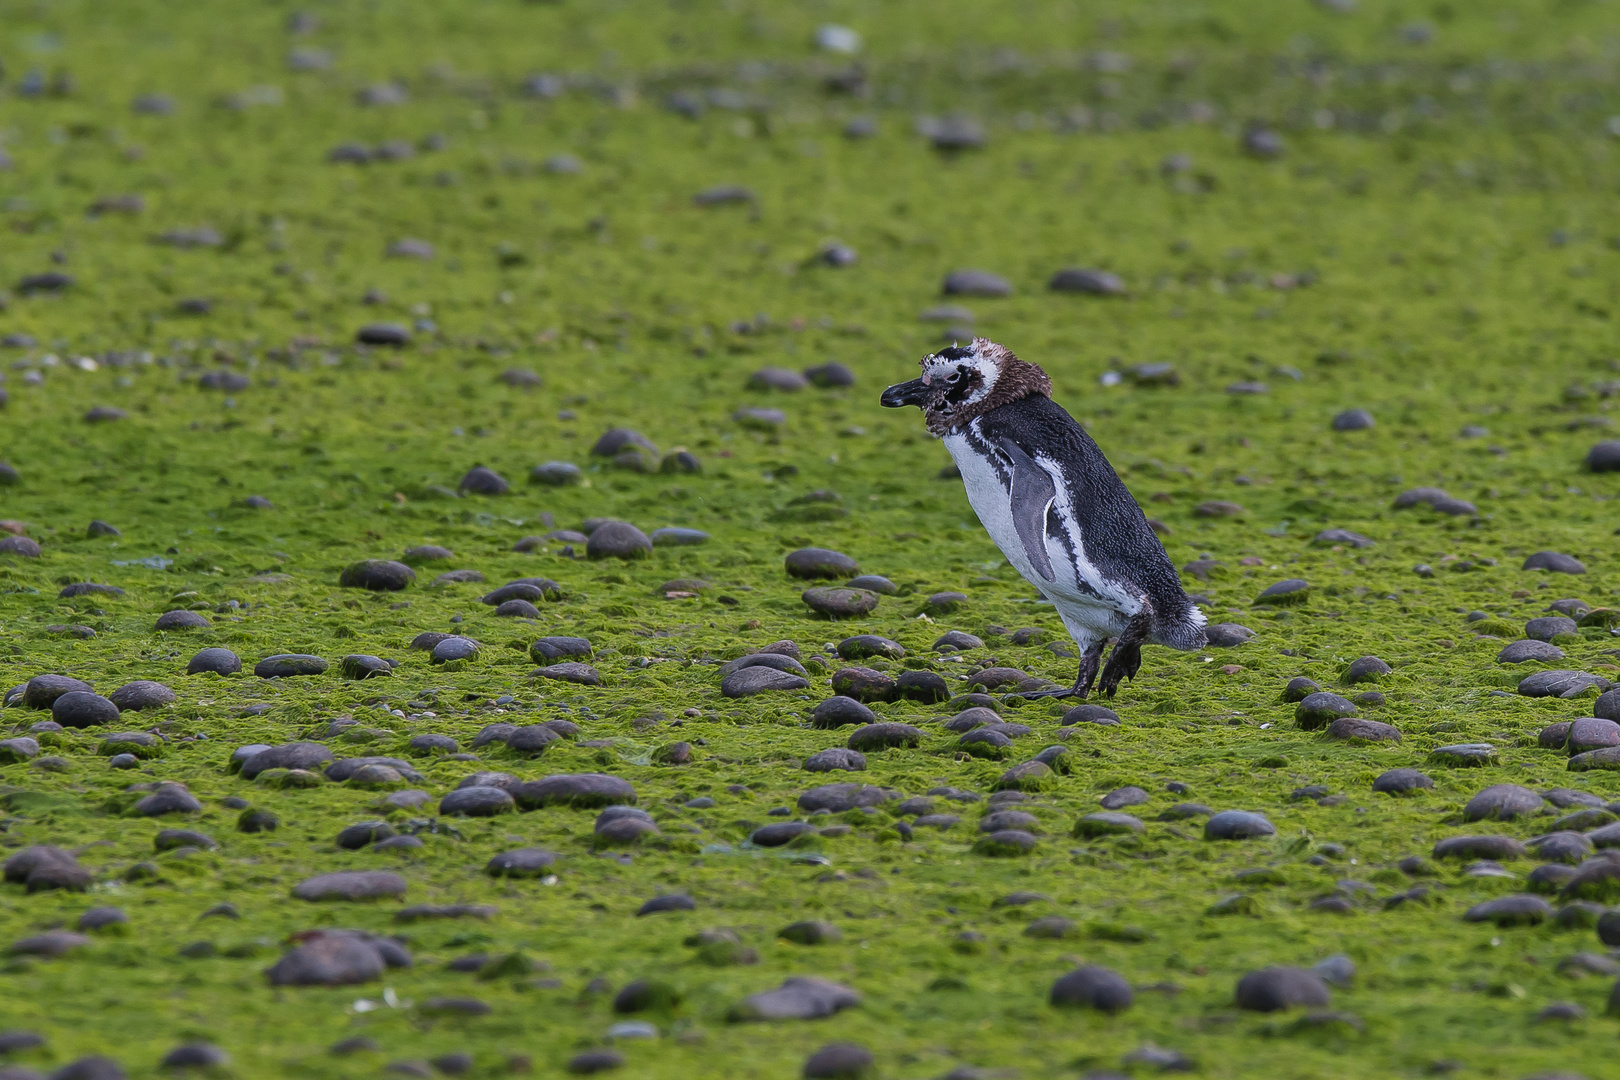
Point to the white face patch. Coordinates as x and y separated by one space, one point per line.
964 380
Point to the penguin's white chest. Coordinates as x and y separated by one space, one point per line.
1077 588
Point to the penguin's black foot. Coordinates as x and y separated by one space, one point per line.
1123 663
1082 681
1126 658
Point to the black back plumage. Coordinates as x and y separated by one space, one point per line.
1118 540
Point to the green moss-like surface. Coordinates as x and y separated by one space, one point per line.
1447 208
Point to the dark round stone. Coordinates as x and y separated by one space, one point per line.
181 620
1353 420
1563 683
521 863
1549 627
20 545
838 798
760 679
839 1061
975 283
1607 706
217 660
1587 733
1604 457
476 802
574 789
957 641
617 439
582 674
517 609
1354 727
1321 709
142 694
1502 802
1342 537
1278 988
1519 910
1286 593
1299 689
840 711
781 833
433 743
1237 825
89 588
453 647
296 755
863 684
350 885
516 590
481 480
1090 714
289 665
671 536
1519 652
1226 635
970 718
355 837
378 575
384 333
1367 669
839 602
1556 562
556 474
363 666
618 540
168 799
927 687
874 583
830 375
257 821
1479 847
80 709
1400 781
549 649
595 1061
820 563
884 735
1092 987
862 646
1090 282
424 553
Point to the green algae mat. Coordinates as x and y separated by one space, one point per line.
291 290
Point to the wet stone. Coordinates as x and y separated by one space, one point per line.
1353 727
884 735
1277 988
748 681
378 575
1227 635
216 660
820 563
1556 562
1561 683
1519 652
289 665
582 674
1366 669
1237 825
350 885
1320 709
1106 823
1298 689
1591 733
618 540
841 711
181 620
1549 627
1464 755
81 709
1401 781
836 759
1518 910
1479 847
1090 714
1353 420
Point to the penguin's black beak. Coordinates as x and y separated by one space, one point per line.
900 395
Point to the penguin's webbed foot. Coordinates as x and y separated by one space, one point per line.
1123 663
1125 660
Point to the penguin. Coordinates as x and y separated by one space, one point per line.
1055 507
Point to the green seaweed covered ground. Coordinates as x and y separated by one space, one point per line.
1434 243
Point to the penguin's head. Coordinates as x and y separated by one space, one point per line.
962 382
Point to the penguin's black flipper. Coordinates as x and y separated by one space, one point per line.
1032 492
